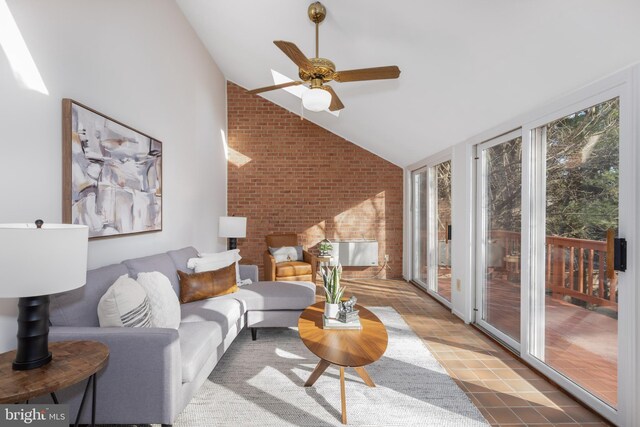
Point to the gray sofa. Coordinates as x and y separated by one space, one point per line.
152 373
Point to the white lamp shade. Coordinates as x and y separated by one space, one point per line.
43 261
232 226
316 99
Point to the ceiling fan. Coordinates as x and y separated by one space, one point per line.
318 71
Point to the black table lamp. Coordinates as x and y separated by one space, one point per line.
233 228
37 260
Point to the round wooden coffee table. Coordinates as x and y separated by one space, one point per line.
344 348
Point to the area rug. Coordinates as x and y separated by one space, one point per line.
260 383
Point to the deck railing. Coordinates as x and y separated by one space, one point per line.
574 267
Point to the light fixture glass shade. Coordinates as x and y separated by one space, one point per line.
42 261
316 99
232 226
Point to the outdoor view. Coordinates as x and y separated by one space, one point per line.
443 182
502 207
581 308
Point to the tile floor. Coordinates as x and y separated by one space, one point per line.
507 392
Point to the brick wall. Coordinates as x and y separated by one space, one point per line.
289 175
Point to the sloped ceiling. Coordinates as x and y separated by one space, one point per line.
467 65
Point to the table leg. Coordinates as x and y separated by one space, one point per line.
93 401
318 370
365 376
54 397
90 381
343 396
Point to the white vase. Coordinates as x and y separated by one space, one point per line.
331 310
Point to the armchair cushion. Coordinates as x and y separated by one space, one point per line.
292 268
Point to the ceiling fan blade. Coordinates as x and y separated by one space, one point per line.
336 104
296 55
377 73
274 87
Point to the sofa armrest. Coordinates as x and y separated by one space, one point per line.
142 380
313 260
269 267
249 272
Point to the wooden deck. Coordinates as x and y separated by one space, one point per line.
580 343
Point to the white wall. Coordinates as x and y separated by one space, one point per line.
139 62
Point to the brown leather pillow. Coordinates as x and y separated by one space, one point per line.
197 286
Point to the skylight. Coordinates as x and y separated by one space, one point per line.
17 52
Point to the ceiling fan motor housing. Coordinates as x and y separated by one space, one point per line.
323 69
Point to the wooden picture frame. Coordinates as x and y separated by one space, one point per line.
111 174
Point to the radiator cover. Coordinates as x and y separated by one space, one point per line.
356 253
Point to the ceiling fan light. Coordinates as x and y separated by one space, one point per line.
316 99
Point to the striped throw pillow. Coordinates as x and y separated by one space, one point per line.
125 304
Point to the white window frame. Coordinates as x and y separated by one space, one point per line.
428 165
481 177
532 342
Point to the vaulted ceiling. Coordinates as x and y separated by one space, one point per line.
467 65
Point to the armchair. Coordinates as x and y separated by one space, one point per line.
304 270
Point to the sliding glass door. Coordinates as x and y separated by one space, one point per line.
576 289
420 261
550 199
498 258
442 229
432 229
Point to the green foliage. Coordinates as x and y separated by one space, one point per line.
325 246
582 175
331 279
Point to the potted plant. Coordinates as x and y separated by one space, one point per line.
333 291
325 247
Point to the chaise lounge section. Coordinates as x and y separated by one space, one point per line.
153 373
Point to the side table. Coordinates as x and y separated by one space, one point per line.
73 361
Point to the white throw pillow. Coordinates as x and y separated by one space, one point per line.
165 307
287 253
216 261
125 304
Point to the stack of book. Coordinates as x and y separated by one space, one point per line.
354 323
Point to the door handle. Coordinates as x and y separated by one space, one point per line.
616 254
620 254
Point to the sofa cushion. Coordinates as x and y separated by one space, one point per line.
198 342
160 262
224 311
79 307
181 256
292 268
275 296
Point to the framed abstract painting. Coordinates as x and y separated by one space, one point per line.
112 174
